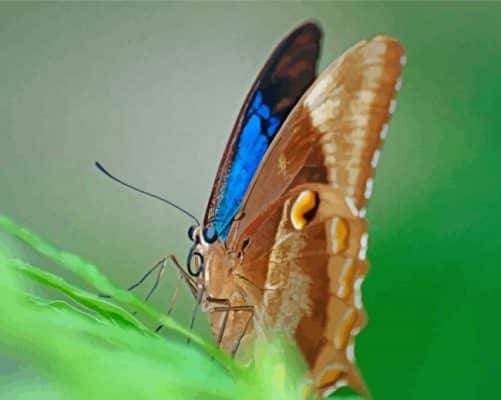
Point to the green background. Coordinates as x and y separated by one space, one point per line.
152 91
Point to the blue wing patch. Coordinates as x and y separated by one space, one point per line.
287 74
259 129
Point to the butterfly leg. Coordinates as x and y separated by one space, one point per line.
195 310
183 275
197 290
172 301
158 277
244 331
192 284
226 308
160 266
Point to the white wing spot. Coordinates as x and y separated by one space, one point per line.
335 243
384 132
364 239
362 213
403 60
393 106
368 188
329 148
318 90
330 160
363 246
332 175
398 85
358 293
351 206
350 353
355 331
375 158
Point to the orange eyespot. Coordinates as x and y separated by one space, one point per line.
346 279
304 209
344 331
339 235
330 375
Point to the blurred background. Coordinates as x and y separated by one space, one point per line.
152 91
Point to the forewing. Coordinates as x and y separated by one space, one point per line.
288 73
302 230
335 132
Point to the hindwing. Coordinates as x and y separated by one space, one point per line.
301 227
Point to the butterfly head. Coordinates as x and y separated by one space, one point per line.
205 235
202 238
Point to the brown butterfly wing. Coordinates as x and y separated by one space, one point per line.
307 254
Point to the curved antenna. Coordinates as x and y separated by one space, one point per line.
104 171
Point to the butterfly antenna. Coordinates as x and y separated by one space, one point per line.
109 175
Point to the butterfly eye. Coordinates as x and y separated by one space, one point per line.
191 232
210 234
195 262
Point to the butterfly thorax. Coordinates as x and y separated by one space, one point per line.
224 298
217 278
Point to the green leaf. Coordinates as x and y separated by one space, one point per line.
91 301
97 349
90 274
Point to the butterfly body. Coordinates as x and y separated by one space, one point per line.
284 240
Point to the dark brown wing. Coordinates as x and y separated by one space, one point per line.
290 70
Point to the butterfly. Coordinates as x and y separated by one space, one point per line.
283 243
